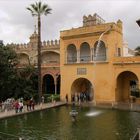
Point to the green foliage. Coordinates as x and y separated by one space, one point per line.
26 83
15 82
50 97
39 8
8 63
137 51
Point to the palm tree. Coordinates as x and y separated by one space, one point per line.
38 9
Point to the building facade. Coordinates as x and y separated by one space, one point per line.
50 56
88 60
92 62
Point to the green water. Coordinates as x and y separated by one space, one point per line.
56 124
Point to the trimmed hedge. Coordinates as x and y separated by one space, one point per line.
51 97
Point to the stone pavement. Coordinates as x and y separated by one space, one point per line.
12 113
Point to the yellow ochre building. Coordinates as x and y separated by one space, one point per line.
92 61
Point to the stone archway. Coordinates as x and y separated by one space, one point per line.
127 82
48 84
82 86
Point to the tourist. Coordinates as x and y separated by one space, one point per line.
66 98
20 106
30 104
42 99
27 104
73 98
16 105
33 104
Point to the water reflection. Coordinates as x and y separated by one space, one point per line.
56 124
5 123
93 113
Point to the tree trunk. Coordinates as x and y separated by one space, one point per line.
39 59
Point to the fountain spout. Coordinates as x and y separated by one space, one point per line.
99 41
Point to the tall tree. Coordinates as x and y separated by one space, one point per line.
8 63
26 82
38 9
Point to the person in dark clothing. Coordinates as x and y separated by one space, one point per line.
66 98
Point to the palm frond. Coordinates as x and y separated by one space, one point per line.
43 8
47 11
39 9
39 6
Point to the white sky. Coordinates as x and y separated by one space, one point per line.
17 24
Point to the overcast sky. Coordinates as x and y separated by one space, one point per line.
17 24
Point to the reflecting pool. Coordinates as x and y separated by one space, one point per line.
56 124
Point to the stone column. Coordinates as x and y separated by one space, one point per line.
91 54
78 56
55 84
55 88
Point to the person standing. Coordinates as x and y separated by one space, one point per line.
66 98
42 99
20 106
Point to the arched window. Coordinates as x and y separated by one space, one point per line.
71 54
50 57
23 59
48 84
99 51
84 52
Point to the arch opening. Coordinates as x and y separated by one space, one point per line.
50 57
71 54
99 51
85 52
127 86
23 59
48 84
82 90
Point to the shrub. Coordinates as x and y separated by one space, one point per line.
48 97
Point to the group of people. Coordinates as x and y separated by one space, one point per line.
30 104
11 104
7 104
79 97
18 105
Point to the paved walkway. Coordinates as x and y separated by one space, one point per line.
12 113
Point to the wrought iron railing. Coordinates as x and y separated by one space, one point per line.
99 57
86 59
71 59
